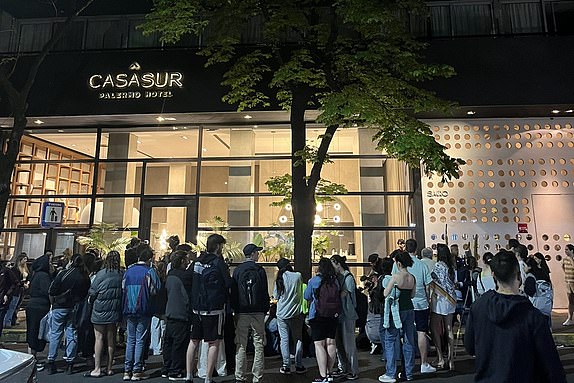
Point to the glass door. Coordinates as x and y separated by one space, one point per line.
163 218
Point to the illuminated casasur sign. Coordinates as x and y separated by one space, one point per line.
135 85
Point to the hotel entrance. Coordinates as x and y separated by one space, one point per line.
162 218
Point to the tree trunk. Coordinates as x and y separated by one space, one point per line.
8 160
302 200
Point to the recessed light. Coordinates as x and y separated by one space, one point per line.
555 111
204 150
60 131
139 142
170 118
160 119
38 122
248 117
184 137
174 128
569 111
255 126
73 145
336 219
471 112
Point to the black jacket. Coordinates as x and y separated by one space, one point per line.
178 286
69 287
261 304
512 341
8 285
40 283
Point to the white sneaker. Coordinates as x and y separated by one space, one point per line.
568 322
427 369
387 379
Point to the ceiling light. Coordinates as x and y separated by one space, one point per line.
160 119
471 112
319 207
60 131
73 145
569 111
184 137
283 219
555 111
336 219
248 117
139 142
337 206
174 128
204 150
288 206
38 122
256 126
170 118
317 219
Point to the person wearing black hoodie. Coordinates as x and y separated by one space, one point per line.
510 338
69 288
8 286
38 305
177 314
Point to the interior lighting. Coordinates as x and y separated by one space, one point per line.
160 119
337 206
555 111
336 219
471 112
317 219
283 219
203 150
288 207
184 137
319 207
60 131
170 118
139 142
248 117
569 111
38 122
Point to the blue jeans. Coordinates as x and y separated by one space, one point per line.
10 312
382 335
294 327
62 321
408 335
138 330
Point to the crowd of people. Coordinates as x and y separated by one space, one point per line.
202 319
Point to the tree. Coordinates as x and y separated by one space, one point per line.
353 60
17 94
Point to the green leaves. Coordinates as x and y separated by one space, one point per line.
282 186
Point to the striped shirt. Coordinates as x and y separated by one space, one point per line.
568 267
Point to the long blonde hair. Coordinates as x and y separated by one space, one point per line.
22 266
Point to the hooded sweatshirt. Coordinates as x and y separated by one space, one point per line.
511 341
40 283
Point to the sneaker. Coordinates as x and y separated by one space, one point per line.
338 373
427 369
387 379
320 379
127 376
137 376
285 370
300 370
177 377
568 322
352 376
52 369
69 368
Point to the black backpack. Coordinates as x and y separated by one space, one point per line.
208 282
328 299
249 288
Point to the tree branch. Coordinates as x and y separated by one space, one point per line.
12 93
47 48
315 175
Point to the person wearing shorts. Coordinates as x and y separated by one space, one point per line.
323 329
568 268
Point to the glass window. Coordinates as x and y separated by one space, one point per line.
246 142
61 145
240 176
73 38
169 142
120 178
239 211
34 36
122 212
137 38
28 211
171 178
106 34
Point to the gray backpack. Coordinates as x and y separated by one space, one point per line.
543 297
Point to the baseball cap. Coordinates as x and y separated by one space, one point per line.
250 248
